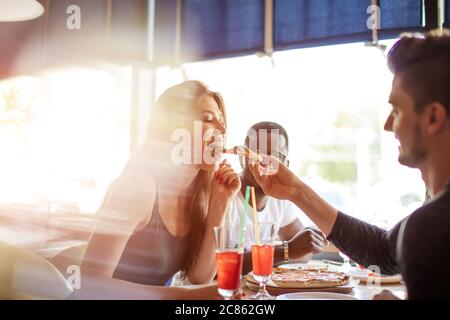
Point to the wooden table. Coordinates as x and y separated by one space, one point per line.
362 291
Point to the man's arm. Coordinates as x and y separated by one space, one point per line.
278 181
287 233
363 242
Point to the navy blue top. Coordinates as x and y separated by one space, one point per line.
152 255
416 247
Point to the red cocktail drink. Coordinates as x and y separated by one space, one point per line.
263 250
229 269
262 259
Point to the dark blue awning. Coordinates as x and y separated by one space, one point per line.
319 22
213 29
308 23
222 27
209 29
400 16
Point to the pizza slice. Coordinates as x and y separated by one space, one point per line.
308 278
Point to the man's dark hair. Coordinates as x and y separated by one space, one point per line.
423 62
268 125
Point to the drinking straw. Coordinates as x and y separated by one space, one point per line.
244 218
255 217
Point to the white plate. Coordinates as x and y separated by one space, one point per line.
361 275
315 296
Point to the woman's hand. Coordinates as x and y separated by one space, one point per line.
274 177
226 183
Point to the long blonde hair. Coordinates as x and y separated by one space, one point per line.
170 112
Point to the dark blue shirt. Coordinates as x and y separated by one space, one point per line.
417 247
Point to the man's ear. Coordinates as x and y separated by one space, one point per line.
436 117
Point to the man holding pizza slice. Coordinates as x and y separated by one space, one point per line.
420 120
297 242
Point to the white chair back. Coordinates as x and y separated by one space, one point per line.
25 275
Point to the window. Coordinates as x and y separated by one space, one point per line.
64 135
333 103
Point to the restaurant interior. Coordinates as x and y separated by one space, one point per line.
80 82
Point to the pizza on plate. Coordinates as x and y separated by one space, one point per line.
308 278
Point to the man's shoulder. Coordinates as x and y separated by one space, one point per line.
432 218
438 208
426 237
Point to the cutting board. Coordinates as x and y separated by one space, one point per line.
272 288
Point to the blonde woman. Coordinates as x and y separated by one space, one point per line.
158 216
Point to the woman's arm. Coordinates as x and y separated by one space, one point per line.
95 286
224 187
123 210
205 267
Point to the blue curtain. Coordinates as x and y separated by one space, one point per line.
224 28
399 16
221 28
210 28
303 23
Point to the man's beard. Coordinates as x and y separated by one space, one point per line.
416 153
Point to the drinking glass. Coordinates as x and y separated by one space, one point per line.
263 250
229 259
